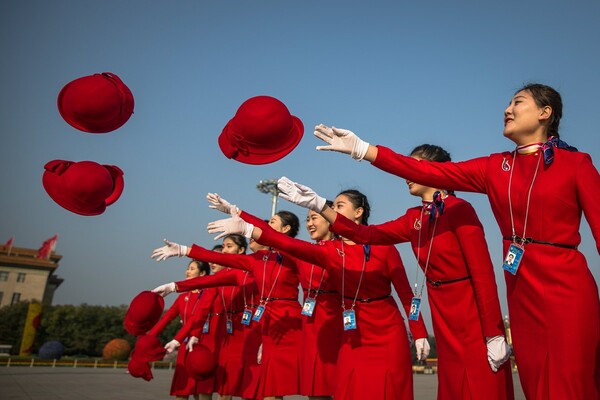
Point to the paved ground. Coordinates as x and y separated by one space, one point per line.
66 383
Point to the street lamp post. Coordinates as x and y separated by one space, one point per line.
269 186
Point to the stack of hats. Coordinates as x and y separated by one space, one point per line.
143 313
98 103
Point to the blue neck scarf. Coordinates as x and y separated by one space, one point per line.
548 148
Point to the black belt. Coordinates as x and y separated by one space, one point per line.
528 240
279 298
440 283
369 299
319 291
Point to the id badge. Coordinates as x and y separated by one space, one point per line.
415 309
229 326
309 307
205 327
258 313
349 320
513 258
246 317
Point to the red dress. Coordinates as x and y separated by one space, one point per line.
190 307
464 311
277 283
374 361
321 332
553 298
238 371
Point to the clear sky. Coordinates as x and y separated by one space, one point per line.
397 73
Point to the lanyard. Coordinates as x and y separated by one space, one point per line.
343 254
193 307
228 313
512 222
244 291
262 290
420 293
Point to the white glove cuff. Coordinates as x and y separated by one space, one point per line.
248 228
183 250
359 151
319 204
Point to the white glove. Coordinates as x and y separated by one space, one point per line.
219 203
231 225
259 354
341 140
498 351
172 346
170 250
300 195
191 342
422 347
166 289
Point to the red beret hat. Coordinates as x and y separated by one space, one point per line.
262 131
83 187
144 312
96 103
139 369
200 362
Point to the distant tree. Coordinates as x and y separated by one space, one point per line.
13 320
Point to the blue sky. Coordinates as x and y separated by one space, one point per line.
397 73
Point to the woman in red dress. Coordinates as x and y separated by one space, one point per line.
449 243
374 361
188 306
278 311
537 193
238 370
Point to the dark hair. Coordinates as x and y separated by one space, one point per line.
543 96
431 152
238 239
217 247
359 200
202 266
290 219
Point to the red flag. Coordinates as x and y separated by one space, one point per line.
9 244
47 247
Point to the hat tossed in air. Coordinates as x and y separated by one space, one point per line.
139 369
200 362
262 131
96 103
143 313
148 348
83 187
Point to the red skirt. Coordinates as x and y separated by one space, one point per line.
463 368
250 373
320 345
281 335
229 364
374 360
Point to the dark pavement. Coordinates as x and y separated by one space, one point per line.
68 383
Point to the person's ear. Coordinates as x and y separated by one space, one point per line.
358 213
285 229
545 113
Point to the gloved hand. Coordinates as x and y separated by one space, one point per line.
172 346
170 250
219 203
259 354
423 348
341 140
231 225
300 195
166 289
191 342
498 351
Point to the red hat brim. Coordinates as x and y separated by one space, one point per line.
257 155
